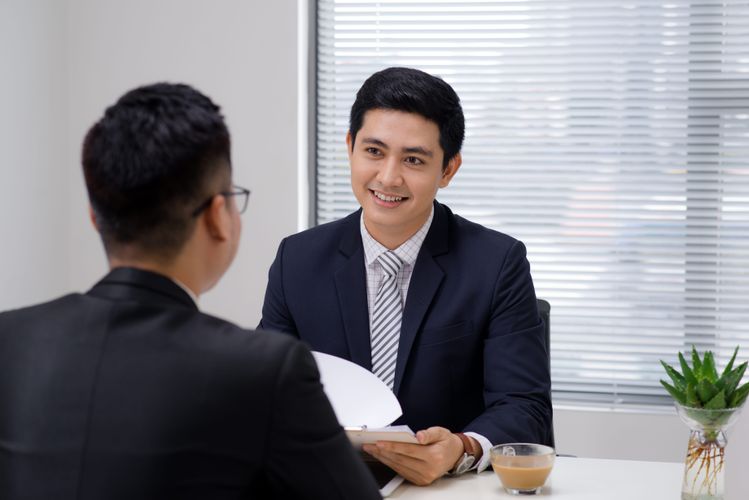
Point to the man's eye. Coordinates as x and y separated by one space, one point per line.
414 160
373 151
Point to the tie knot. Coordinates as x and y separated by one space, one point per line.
390 263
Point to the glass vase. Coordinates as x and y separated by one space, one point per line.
704 471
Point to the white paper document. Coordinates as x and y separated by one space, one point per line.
362 435
364 405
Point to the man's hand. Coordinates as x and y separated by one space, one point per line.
437 452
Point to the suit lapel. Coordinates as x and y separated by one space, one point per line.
425 282
351 287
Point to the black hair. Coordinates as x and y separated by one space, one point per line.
412 91
153 157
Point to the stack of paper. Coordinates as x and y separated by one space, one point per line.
364 405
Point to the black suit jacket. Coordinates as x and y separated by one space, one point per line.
130 392
472 353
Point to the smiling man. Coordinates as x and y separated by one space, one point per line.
441 309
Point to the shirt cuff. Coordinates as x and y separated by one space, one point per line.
486 446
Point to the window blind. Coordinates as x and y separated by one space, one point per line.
611 137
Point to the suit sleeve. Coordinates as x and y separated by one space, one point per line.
276 315
517 383
309 455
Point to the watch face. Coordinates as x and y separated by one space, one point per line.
465 463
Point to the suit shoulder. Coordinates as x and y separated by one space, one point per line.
245 343
43 311
329 229
322 239
464 230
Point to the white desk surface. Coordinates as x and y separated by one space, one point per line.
571 479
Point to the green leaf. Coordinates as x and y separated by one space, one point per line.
733 379
678 379
738 397
708 367
729 366
692 399
678 395
717 403
696 363
686 371
706 390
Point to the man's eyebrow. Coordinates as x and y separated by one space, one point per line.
410 150
419 151
376 142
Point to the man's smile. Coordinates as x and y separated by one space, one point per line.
387 200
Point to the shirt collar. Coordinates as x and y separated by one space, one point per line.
186 289
373 248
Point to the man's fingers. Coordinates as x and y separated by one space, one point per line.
408 449
432 435
417 470
411 469
420 463
403 460
399 463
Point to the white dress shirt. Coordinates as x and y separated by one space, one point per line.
187 290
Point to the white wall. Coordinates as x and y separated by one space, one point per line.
622 434
737 459
65 61
33 170
240 53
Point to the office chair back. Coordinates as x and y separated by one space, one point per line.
544 310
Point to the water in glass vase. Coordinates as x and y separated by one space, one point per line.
704 477
704 471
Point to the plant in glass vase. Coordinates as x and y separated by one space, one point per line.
708 404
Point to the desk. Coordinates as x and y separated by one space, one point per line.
571 479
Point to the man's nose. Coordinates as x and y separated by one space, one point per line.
390 174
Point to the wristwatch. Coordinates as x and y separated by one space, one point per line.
471 455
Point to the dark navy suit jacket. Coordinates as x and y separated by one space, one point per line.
472 354
130 392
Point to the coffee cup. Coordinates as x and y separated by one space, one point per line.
522 467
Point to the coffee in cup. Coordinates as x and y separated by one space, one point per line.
522 467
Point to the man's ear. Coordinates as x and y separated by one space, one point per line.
217 219
349 144
92 216
450 170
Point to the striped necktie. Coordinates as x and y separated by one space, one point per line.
386 320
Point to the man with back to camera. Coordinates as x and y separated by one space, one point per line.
128 391
441 309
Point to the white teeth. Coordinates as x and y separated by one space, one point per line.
387 198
